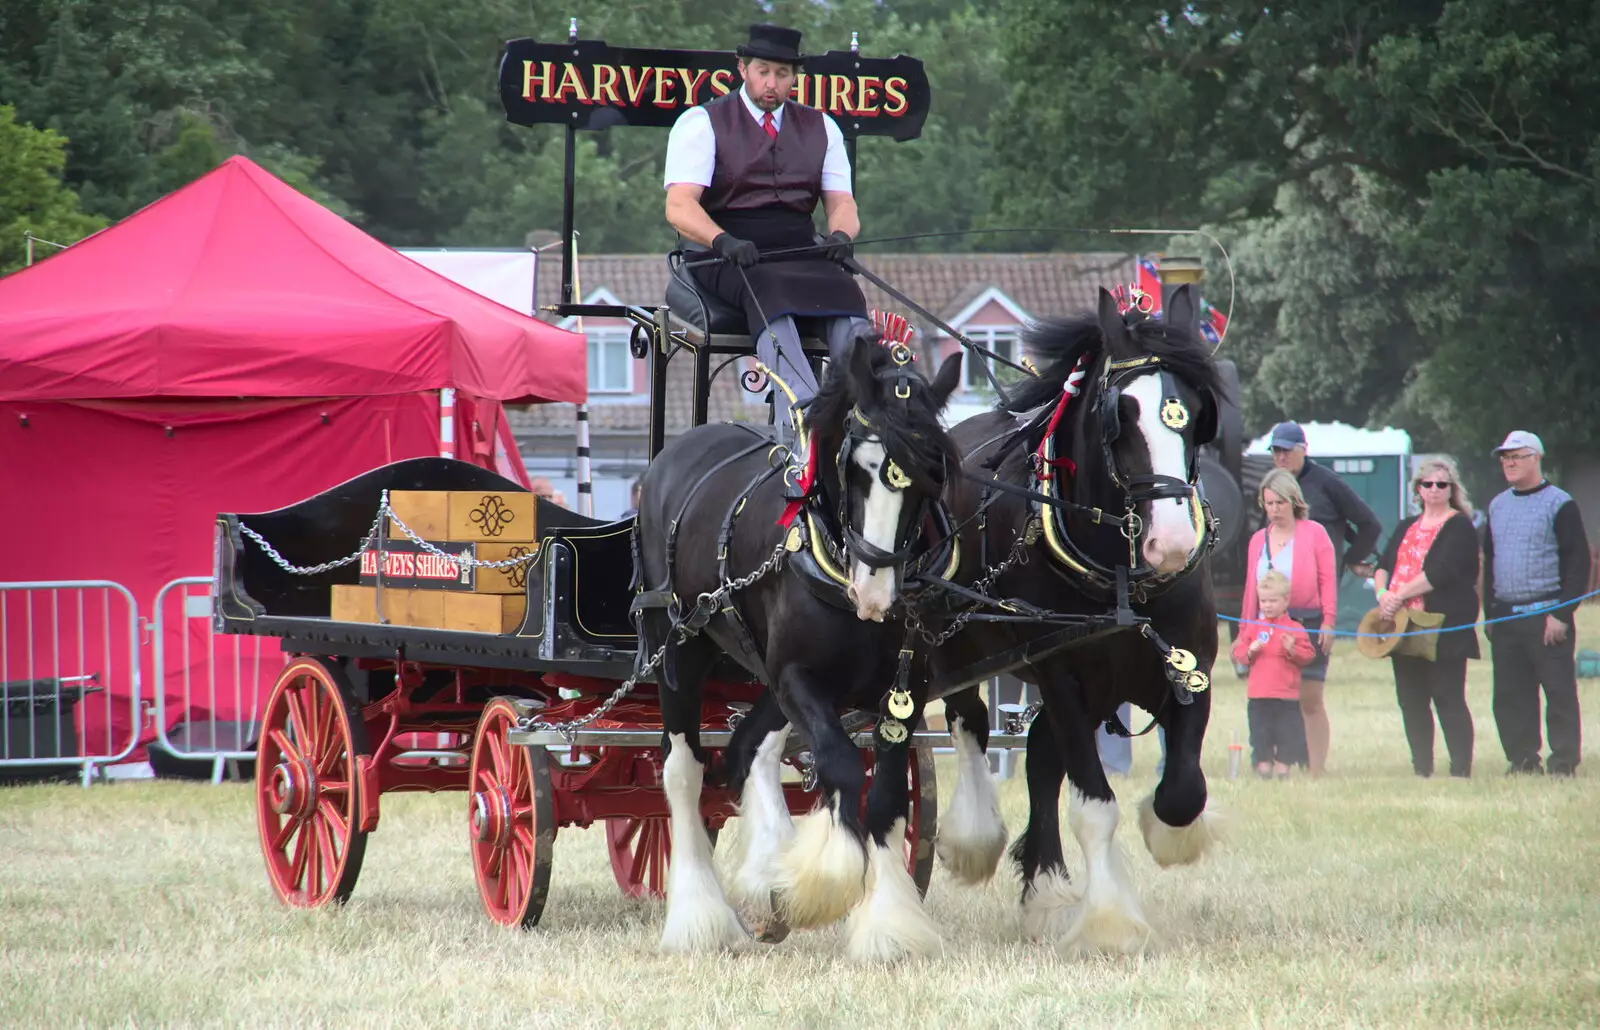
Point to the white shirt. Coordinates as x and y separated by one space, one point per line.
692 148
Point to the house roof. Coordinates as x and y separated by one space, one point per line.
1044 285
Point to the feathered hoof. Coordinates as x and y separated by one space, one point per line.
822 875
1049 909
1177 845
1107 930
971 859
700 925
891 925
763 922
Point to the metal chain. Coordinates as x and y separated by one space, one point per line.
471 563
1018 556
384 511
311 570
569 730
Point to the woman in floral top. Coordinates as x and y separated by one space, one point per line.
1432 563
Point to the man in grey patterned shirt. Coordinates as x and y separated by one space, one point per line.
1536 555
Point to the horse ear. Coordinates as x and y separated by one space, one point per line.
1110 317
948 378
1181 309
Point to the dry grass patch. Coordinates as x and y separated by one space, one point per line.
1370 898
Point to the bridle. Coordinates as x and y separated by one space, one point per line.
1136 576
899 380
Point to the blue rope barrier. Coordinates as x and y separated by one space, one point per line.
1553 607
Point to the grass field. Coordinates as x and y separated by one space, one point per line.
1370 898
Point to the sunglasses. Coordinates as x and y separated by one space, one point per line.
1434 484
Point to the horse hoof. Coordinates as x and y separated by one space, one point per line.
1107 930
1177 845
765 926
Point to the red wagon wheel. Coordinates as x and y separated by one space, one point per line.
512 816
641 847
308 785
639 850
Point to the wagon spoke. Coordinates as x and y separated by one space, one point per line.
333 818
314 858
502 878
299 725
652 841
497 755
286 829
328 859
297 861
520 812
329 740
286 746
330 788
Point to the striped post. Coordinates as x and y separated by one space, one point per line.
585 484
447 423
585 487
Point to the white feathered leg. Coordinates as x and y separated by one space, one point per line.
891 923
698 915
972 836
1109 917
765 830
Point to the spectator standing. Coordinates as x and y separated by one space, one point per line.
1431 562
1535 555
633 498
1275 648
1298 547
1333 503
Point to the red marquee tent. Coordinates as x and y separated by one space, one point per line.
232 347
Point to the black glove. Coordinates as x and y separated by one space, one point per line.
840 247
737 252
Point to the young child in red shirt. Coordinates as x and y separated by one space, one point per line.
1275 653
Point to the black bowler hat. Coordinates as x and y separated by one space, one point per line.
772 43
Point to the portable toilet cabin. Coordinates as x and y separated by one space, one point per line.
1377 465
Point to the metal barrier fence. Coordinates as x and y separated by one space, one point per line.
207 674
70 683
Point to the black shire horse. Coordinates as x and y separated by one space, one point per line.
709 511
1128 442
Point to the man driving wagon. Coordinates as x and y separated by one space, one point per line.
744 173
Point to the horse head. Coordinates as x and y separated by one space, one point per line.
1153 406
882 458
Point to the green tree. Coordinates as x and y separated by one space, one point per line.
1410 188
33 199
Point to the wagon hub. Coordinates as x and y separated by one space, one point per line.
491 817
293 789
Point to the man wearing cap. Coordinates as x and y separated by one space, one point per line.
744 174
1535 555
1332 501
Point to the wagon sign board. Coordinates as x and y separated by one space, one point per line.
589 85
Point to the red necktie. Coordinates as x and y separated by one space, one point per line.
766 123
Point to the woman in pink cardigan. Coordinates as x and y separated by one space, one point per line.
1300 549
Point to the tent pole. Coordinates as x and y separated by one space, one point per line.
569 186
447 423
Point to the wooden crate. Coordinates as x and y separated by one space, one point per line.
501 517
483 613
402 606
509 580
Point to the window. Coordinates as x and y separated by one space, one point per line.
1004 341
1354 466
610 363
